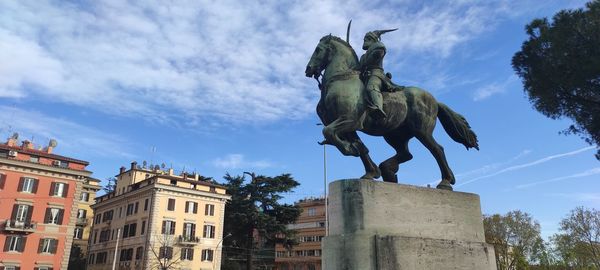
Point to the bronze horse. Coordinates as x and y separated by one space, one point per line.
411 112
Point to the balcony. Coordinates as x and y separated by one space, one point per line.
81 222
188 240
20 226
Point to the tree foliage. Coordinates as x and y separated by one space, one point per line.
255 211
516 239
560 68
578 243
77 259
111 185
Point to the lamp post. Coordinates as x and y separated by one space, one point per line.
325 184
217 249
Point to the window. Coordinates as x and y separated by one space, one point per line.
129 209
168 227
21 212
98 218
54 216
135 210
191 207
104 236
101 257
85 197
171 205
146 205
28 185
139 252
312 212
165 252
81 213
59 189
120 212
95 236
129 230
209 210
189 231
209 231
47 245
207 255
143 227
2 180
126 254
78 233
187 254
63 164
35 159
107 216
91 260
15 243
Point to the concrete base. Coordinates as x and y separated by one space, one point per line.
386 226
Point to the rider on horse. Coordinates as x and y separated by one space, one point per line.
371 67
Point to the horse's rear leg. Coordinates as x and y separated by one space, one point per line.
390 166
438 152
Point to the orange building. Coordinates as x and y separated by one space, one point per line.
310 229
38 208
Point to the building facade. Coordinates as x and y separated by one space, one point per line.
85 214
38 197
310 229
155 219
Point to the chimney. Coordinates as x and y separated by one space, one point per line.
134 165
27 144
12 141
171 171
185 175
122 169
196 176
51 145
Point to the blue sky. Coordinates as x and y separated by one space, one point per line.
219 87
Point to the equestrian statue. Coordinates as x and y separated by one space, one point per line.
356 95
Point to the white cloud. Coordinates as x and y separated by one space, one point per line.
204 63
238 161
526 165
493 89
71 137
586 173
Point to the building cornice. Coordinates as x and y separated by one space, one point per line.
46 168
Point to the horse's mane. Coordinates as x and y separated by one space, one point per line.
343 42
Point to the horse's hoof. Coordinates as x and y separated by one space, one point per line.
445 184
371 176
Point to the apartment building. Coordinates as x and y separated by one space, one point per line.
85 214
155 219
310 229
39 191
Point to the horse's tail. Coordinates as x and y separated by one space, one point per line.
457 127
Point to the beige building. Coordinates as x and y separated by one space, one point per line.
85 214
155 219
310 228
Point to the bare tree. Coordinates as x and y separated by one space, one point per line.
163 255
580 230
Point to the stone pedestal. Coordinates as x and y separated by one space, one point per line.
386 226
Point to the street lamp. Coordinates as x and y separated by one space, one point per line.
217 248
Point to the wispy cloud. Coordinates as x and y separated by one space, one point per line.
239 161
71 137
204 63
579 197
586 173
493 89
526 165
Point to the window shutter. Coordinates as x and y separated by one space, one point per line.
61 214
126 231
191 254
136 207
173 228
53 246
132 230
212 232
206 209
193 230
84 213
7 242
20 188
65 191
169 252
22 243
204 232
182 254
48 216
41 245
29 213
2 180
171 205
195 208
35 186
164 224
161 252
14 212
52 187
187 204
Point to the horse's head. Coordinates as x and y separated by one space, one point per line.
320 57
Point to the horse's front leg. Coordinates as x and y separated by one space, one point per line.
332 133
372 172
